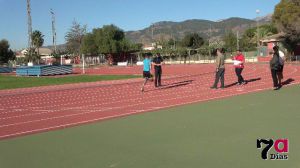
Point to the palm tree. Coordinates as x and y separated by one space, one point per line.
265 31
37 41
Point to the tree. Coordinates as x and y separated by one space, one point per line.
6 54
248 41
181 51
193 41
136 46
287 18
267 30
74 37
247 44
230 41
171 43
109 39
89 45
31 56
37 41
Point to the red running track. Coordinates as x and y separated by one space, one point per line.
33 110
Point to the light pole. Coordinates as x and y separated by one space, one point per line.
83 62
237 41
53 30
29 24
209 41
152 32
257 30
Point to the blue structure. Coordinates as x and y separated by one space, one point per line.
5 69
42 70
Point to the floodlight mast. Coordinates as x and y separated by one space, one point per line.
53 31
29 24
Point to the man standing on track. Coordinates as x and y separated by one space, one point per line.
157 63
239 61
220 69
275 68
146 70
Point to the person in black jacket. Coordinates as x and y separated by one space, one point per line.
157 63
275 68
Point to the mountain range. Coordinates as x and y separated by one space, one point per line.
207 29
166 30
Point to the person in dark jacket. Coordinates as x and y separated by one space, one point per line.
275 68
220 69
157 63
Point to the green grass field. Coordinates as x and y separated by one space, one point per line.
215 134
12 82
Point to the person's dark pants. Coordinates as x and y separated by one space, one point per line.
238 72
219 75
280 74
157 81
275 77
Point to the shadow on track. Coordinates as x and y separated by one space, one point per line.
172 85
248 81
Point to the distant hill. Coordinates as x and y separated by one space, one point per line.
264 19
60 47
207 29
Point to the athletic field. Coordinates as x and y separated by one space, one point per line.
180 125
13 82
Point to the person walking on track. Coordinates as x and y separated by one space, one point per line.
238 62
146 70
220 69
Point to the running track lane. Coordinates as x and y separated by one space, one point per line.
33 110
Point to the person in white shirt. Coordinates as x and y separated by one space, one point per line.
280 71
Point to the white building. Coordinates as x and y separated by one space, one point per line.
152 46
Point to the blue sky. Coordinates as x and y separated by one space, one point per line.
126 14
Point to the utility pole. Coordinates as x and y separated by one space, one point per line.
209 40
83 63
53 31
29 24
237 41
257 29
152 27
174 43
152 32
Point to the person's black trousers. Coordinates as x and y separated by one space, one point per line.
219 75
238 72
157 80
274 77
